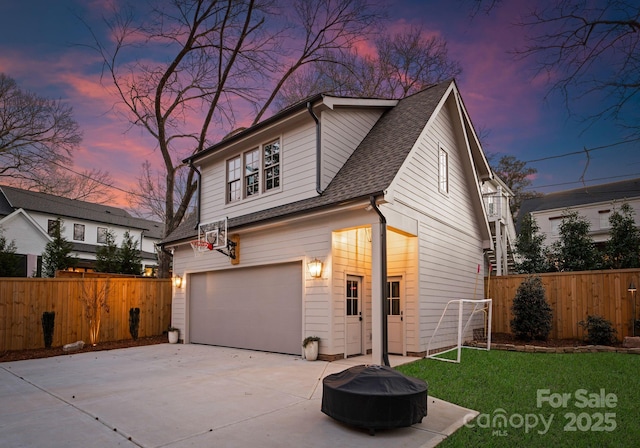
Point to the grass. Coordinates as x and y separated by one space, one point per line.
490 382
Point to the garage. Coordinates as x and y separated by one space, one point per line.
257 308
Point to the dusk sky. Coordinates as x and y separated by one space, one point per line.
41 47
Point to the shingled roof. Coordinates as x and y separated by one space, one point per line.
15 198
370 169
615 191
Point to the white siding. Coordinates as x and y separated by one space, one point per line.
591 212
450 241
342 131
297 156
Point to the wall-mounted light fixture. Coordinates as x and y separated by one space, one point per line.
315 268
177 281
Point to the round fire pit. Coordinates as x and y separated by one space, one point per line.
374 397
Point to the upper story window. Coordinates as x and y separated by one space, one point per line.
102 235
272 165
234 192
52 226
261 168
78 232
555 226
443 172
604 216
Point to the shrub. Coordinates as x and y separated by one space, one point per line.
531 313
599 330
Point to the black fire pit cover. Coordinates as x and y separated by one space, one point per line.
374 397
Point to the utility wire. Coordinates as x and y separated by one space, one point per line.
582 151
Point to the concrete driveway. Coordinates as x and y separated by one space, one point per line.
189 395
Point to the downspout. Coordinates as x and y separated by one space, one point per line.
199 174
383 279
318 153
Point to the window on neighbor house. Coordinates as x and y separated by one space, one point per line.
261 168
604 218
102 235
443 174
78 232
555 226
52 225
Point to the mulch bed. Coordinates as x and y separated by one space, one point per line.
507 338
20 355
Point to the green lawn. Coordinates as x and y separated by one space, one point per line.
510 385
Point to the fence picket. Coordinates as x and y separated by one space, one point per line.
572 295
23 300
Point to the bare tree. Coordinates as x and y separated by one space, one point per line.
218 54
88 185
35 132
590 48
403 64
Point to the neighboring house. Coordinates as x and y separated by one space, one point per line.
330 180
595 203
497 196
27 218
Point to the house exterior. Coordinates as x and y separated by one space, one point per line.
27 218
384 194
497 196
595 203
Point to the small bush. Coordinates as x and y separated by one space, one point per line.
531 313
599 330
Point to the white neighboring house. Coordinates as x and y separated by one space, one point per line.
595 203
497 197
330 180
27 218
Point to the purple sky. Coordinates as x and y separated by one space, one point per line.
38 48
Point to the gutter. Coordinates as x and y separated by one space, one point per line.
199 200
318 152
383 279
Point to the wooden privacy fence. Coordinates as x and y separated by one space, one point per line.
572 296
24 300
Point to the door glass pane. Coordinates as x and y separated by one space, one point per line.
352 298
393 298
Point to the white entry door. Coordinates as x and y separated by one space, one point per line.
353 305
395 318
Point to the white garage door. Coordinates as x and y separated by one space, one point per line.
258 308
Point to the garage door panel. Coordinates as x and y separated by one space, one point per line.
258 308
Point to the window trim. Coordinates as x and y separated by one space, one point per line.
261 183
443 175
104 234
76 227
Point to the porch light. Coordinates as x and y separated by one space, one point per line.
177 281
315 268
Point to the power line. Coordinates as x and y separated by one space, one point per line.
585 150
581 181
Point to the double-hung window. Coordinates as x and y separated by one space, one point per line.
272 165
234 189
254 172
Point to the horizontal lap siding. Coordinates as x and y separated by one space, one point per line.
285 243
450 246
297 177
342 132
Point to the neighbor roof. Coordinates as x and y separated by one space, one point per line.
16 198
615 191
368 172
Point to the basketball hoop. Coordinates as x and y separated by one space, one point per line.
200 247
